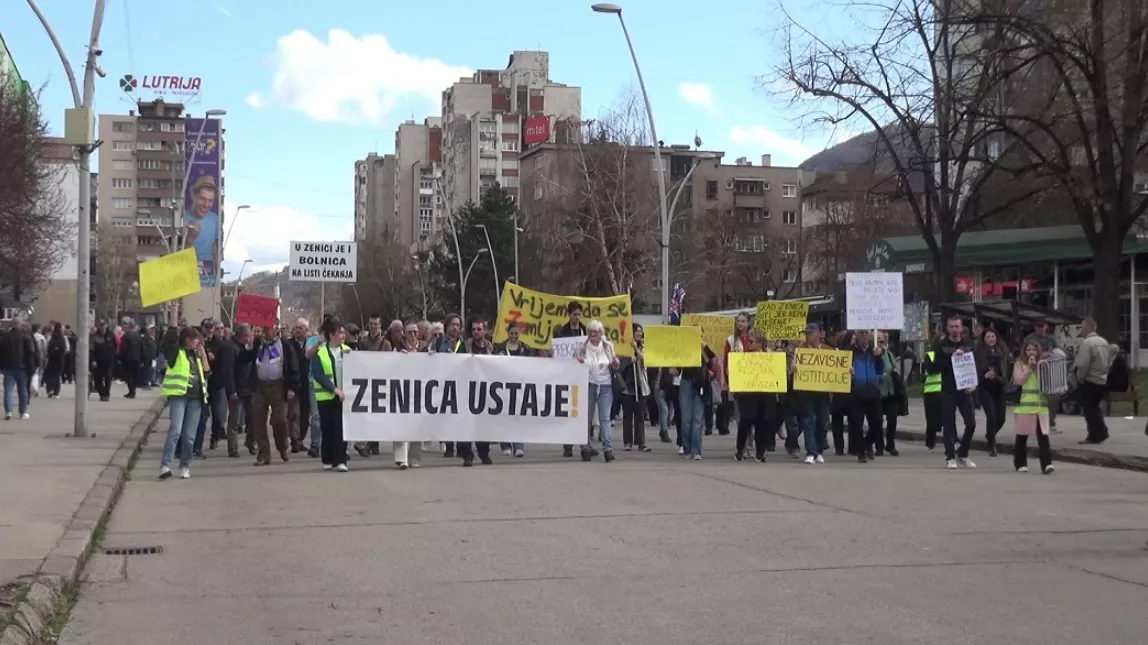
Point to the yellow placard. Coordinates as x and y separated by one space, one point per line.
782 319
715 329
823 370
758 372
669 346
166 278
538 314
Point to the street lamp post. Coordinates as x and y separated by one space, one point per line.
217 293
686 180
490 248
85 145
617 10
465 277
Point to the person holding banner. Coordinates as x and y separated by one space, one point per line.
327 370
477 344
755 409
407 454
812 407
185 386
573 329
635 389
952 399
597 353
514 347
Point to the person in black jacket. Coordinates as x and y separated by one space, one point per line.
220 385
299 411
18 361
147 367
131 357
239 402
102 356
953 400
57 355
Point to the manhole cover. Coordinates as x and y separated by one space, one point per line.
133 550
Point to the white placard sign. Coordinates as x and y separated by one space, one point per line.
463 397
323 261
874 301
965 371
565 348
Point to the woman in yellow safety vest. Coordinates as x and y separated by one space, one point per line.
1031 413
185 386
931 397
327 370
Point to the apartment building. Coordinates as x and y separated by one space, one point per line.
735 237
418 183
375 198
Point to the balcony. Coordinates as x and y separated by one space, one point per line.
167 154
157 193
167 173
172 137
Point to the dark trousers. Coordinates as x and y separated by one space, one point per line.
676 408
1020 451
724 413
333 450
52 377
102 379
932 418
951 403
633 429
991 394
891 409
1091 395
862 412
615 405
467 450
753 412
837 415
131 375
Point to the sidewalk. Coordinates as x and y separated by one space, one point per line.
47 476
1126 448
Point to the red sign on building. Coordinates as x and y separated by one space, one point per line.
536 130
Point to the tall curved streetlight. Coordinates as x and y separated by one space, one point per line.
490 247
605 7
465 277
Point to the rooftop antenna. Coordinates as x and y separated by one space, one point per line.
697 141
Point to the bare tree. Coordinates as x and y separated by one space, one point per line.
116 272
386 283
601 194
927 81
1084 119
732 262
36 229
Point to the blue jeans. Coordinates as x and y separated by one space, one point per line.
219 409
601 398
691 405
663 411
15 382
185 413
316 433
512 446
814 418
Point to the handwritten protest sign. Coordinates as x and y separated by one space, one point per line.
538 313
757 372
567 348
668 346
715 329
782 319
965 371
823 370
258 311
874 301
172 276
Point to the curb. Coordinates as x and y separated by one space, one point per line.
1067 455
59 573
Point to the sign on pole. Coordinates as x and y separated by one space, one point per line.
323 261
874 301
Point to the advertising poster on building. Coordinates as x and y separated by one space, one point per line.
201 195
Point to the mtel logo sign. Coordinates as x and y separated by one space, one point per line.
536 130
161 85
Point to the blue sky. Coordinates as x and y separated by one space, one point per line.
312 86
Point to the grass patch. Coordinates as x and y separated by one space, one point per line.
54 626
11 595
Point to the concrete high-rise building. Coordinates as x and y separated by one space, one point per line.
375 216
419 202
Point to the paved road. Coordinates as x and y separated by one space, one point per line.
649 549
44 475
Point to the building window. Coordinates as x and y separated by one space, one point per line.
508 181
509 146
748 215
791 247
123 146
789 190
537 189
122 126
711 190
426 213
148 164
122 164
789 218
118 182
789 275
426 185
150 202
425 200
750 243
171 126
123 222
425 226
748 187
123 202
149 145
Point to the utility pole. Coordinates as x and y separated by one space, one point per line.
80 132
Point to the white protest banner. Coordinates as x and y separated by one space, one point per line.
565 348
965 371
323 261
874 301
463 397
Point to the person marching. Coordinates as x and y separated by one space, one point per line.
636 387
953 400
327 371
514 347
1031 413
408 454
450 342
931 397
597 353
185 386
755 409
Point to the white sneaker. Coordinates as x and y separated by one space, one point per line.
414 464
508 452
1022 469
341 468
519 454
1049 469
966 463
809 459
681 451
7 416
165 473
25 416
697 457
185 473
402 465
951 464
327 467
819 459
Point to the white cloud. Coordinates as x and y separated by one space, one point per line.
256 100
786 149
353 80
698 94
263 234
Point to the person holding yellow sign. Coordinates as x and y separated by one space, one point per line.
813 407
756 410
